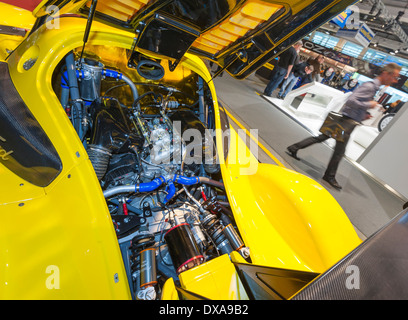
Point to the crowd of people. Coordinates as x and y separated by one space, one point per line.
290 72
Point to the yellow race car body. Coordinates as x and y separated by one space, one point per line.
64 211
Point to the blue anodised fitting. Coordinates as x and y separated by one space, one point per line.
150 186
171 191
112 74
188 181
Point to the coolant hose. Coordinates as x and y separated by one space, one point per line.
212 182
105 72
150 186
140 187
156 183
120 76
171 191
188 181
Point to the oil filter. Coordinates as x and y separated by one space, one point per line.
183 248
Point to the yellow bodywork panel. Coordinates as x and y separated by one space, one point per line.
248 17
216 279
61 245
58 242
13 17
287 219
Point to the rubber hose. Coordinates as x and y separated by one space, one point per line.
188 181
140 187
211 182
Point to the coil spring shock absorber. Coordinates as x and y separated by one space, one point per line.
215 230
144 254
214 227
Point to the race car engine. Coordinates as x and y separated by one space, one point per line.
168 206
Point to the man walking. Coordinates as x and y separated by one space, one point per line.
283 68
354 111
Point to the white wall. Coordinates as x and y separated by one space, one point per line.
387 156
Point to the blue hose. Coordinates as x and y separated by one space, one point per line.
80 74
112 74
187 181
156 183
150 186
171 191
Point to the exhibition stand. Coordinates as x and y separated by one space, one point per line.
315 99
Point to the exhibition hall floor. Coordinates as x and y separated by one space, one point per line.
368 204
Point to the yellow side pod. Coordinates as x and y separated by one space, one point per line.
287 219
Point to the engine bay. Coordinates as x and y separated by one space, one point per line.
149 134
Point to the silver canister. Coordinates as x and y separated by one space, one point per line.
148 275
90 79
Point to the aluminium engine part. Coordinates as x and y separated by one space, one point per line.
183 249
192 219
90 82
167 145
189 124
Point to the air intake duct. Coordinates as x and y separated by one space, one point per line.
99 158
110 134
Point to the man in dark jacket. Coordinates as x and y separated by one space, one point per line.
354 111
300 70
283 68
